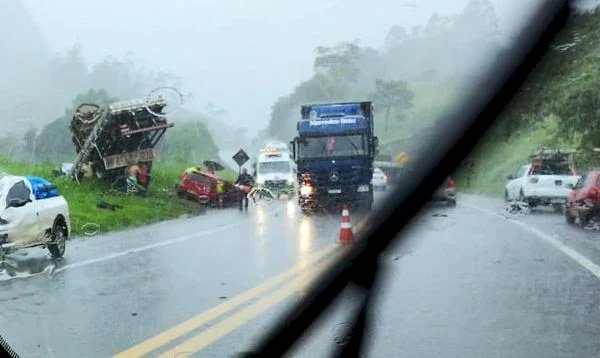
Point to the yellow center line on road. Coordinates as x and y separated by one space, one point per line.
219 310
238 319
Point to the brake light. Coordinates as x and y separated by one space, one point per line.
534 180
450 183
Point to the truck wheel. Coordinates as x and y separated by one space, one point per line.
521 196
59 239
583 220
526 200
100 173
558 208
568 217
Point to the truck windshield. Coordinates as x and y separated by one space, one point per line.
333 146
273 167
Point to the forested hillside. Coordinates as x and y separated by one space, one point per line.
412 80
559 106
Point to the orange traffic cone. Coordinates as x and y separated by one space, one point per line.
346 235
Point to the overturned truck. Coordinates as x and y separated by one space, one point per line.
108 139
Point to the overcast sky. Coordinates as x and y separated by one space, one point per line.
239 55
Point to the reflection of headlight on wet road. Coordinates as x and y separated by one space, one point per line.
306 190
305 241
305 230
291 209
260 215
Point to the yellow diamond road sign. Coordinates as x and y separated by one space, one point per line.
403 158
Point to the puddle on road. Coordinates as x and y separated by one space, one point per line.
15 267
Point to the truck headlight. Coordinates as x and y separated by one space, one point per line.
260 181
362 188
290 180
306 190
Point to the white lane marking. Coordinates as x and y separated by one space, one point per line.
147 247
571 253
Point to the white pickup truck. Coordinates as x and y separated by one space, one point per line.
540 188
32 214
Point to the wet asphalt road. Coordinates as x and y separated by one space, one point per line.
467 282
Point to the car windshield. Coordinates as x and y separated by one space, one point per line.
273 167
324 116
333 146
201 178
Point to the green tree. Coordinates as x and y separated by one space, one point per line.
187 142
54 141
337 66
392 95
30 141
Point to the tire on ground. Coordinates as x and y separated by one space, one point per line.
59 235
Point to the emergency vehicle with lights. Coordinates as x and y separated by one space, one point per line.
275 169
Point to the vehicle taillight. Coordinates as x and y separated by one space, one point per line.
450 183
533 180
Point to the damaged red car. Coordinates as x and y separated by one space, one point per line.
207 189
583 202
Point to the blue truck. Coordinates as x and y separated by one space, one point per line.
334 152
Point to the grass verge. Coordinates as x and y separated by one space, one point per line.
161 203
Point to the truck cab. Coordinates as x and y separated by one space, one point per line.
334 153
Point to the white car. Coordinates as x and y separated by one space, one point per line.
32 214
379 180
548 187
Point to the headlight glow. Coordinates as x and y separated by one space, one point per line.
362 188
306 190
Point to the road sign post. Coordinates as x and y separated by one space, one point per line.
240 158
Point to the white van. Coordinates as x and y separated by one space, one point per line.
275 169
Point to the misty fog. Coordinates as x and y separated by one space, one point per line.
240 64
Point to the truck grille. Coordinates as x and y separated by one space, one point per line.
275 184
335 177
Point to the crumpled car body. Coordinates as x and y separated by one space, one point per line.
32 213
204 187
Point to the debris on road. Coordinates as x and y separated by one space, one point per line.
517 208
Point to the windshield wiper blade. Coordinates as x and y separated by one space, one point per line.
359 264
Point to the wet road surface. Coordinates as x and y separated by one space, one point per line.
467 281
